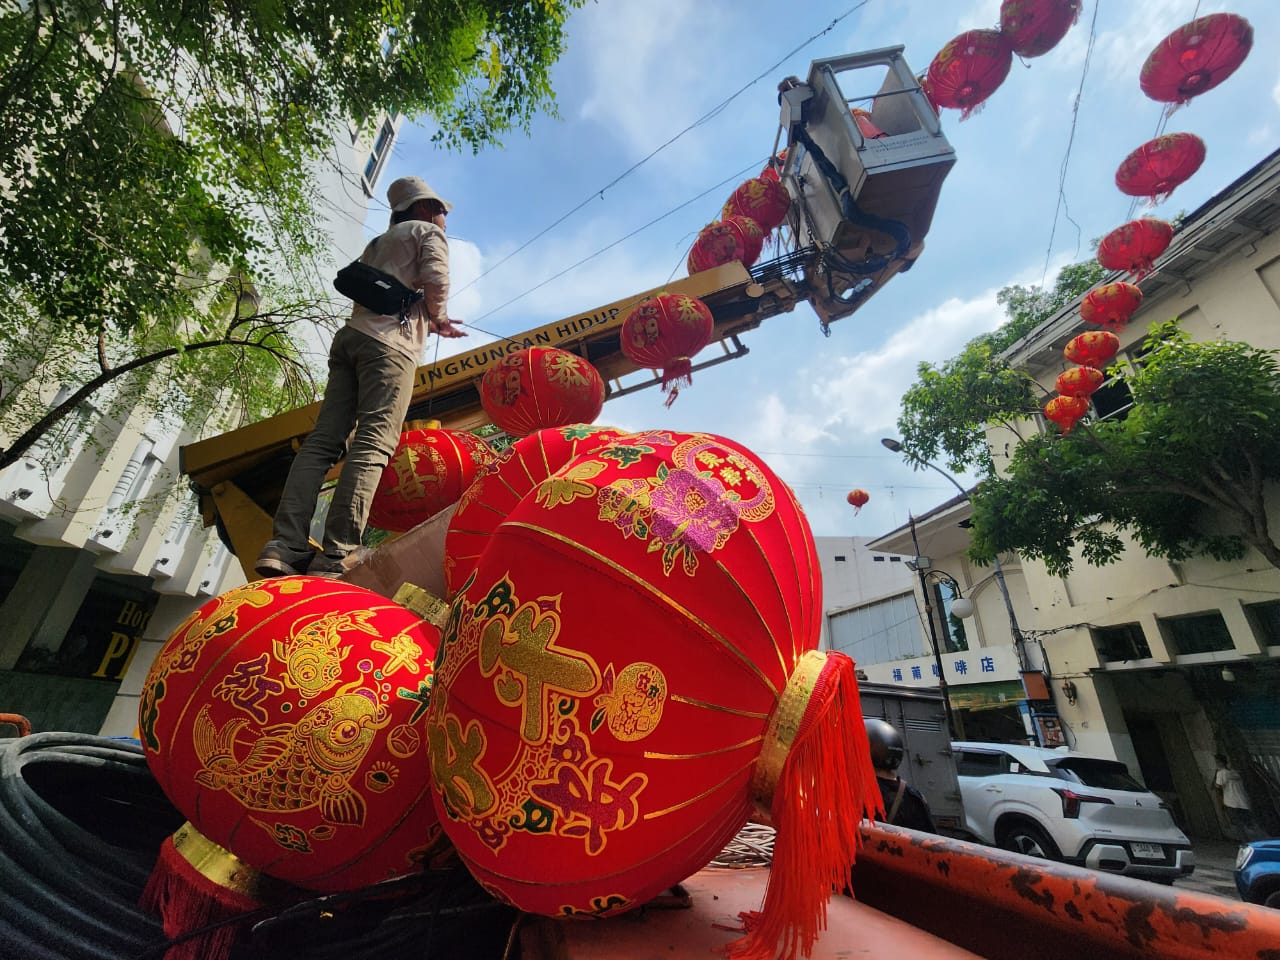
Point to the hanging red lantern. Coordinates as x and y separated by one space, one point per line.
1093 348
613 681
968 70
1111 305
428 472
1157 167
772 168
857 499
1066 411
526 465
1034 27
1079 381
735 238
664 332
760 199
540 387
1196 57
1134 246
284 720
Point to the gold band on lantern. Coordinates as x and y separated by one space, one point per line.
420 425
424 603
219 865
784 724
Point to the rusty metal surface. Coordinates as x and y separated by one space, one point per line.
1001 905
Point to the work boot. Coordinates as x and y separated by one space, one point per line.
326 566
279 560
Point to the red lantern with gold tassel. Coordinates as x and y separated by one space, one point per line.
1066 411
772 168
763 200
1079 381
1134 245
1156 168
525 467
1196 57
1093 348
857 498
1111 305
285 720
735 238
968 70
1034 27
540 387
665 332
427 472
631 667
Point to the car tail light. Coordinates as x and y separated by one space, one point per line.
1072 801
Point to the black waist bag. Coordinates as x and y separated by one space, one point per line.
375 289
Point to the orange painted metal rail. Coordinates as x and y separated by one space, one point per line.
17 720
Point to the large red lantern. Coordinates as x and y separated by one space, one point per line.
428 472
857 498
1157 167
614 680
1093 348
1066 411
541 387
1079 381
664 332
527 465
1134 246
735 238
968 70
1196 57
761 199
1034 27
1111 305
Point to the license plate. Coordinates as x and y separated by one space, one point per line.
1148 851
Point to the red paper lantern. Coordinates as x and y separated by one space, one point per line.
735 238
527 465
1066 411
761 199
1079 381
1092 348
1134 245
1111 305
1196 57
771 169
1157 167
285 720
968 70
665 332
857 499
428 472
540 387
613 679
1034 27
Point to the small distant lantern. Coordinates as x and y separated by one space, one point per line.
1066 411
1034 27
858 498
1079 381
1196 57
1111 305
1134 246
734 238
1159 166
968 70
664 332
541 387
763 200
1092 348
772 168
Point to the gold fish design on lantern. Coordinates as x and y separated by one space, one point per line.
293 767
314 653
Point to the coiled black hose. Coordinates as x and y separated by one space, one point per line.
81 824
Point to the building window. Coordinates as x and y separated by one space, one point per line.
839 559
1265 618
953 636
1120 643
879 632
1198 633
378 155
877 559
895 559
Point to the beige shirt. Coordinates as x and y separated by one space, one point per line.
417 254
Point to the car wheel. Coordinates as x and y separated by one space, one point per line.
1029 840
1272 900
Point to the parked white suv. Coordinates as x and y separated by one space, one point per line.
1065 806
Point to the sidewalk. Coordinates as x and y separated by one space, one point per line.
1215 865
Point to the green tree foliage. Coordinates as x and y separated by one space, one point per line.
946 411
1197 447
155 154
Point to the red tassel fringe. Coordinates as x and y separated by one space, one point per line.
826 787
186 900
677 374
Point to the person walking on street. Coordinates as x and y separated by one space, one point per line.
372 362
904 805
1229 786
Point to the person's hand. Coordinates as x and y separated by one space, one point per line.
448 329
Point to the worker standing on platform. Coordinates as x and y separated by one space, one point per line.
372 362
904 805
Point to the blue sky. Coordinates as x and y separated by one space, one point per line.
638 72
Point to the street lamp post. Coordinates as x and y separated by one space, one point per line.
954 730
